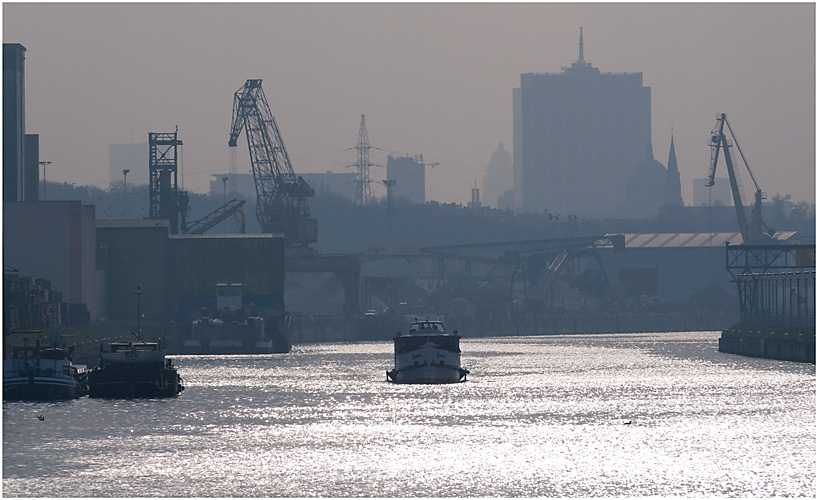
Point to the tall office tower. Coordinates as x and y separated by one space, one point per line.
578 135
14 121
31 167
409 174
499 177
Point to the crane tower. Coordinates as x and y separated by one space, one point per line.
281 205
167 201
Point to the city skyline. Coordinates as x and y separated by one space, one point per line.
431 79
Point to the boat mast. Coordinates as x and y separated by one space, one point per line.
138 293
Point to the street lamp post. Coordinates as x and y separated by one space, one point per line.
44 164
224 188
125 193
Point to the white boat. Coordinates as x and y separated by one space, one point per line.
42 373
427 355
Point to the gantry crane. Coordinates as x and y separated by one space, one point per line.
750 233
281 196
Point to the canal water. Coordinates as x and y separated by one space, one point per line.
566 416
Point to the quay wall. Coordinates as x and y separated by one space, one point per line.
339 329
760 340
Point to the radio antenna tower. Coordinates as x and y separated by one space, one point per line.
363 190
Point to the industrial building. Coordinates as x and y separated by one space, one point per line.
674 267
100 263
177 274
198 262
578 136
54 240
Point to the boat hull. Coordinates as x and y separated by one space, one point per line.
427 374
137 380
43 378
41 388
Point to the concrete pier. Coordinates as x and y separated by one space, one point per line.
770 342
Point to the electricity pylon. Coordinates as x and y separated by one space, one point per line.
363 190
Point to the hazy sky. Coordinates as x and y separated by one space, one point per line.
432 79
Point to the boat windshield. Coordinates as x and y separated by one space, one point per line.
133 346
449 343
426 327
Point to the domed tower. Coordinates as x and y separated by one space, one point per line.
499 176
645 189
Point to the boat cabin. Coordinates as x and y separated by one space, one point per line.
426 327
426 332
229 296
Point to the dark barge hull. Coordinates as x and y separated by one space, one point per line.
423 374
143 380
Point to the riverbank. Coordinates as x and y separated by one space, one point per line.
317 329
758 340
338 329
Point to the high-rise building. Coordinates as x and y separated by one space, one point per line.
31 167
578 135
14 121
409 174
499 177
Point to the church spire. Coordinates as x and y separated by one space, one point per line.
673 185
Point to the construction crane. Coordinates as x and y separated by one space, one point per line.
281 196
212 219
751 233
